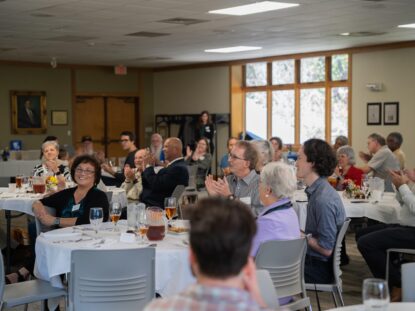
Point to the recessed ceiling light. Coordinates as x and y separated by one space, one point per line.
258 7
345 34
407 26
234 49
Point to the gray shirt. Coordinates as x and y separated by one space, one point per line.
382 161
247 187
325 215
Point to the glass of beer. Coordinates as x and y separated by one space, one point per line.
38 184
19 181
115 214
142 224
170 206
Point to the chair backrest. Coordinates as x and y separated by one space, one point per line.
177 193
284 260
192 169
337 251
122 279
408 282
41 227
267 289
2 283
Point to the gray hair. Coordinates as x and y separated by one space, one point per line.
342 140
280 177
379 138
265 151
50 142
349 152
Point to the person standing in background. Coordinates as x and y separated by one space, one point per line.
205 128
394 142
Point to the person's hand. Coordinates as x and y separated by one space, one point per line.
337 171
398 179
410 174
365 156
222 187
250 283
52 165
38 209
188 152
209 185
108 168
128 172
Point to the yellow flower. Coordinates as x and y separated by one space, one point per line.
52 180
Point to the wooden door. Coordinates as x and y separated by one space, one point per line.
104 118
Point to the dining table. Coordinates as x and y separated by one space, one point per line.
387 210
54 248
394 306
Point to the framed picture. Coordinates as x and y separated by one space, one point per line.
391 113
59 117
374 112
28 112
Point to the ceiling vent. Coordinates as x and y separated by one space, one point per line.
183 21
147 34
41 15
70 38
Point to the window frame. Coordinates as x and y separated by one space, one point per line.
297 86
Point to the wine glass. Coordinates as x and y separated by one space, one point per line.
142 223
375 294
170 206
115 214
96 216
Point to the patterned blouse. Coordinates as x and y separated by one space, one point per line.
42 170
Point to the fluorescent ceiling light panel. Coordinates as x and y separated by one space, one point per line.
234 49
407 26
258 7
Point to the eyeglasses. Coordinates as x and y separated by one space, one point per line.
86 172
235 157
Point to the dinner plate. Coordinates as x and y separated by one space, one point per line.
62 235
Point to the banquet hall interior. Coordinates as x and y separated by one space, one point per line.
305 69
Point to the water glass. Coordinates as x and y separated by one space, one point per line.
96 216
375 294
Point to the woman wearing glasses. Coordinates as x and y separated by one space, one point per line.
72 205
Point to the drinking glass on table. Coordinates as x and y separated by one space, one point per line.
142 223
170 206
375 294
96 216
19 182
115 214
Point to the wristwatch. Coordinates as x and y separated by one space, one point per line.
57 222
231 197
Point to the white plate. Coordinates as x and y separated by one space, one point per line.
62 235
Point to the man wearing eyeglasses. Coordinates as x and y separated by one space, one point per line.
127 140
242 184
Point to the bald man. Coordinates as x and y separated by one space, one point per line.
158 186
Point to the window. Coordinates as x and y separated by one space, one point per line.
314 104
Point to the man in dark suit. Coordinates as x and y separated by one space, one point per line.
158 186
27 117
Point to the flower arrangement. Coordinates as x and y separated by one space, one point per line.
351 190
51 183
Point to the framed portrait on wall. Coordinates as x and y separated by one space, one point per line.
391 113
28 113
374 112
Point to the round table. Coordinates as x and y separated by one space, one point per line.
395 306
172 267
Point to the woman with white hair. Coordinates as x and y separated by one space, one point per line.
265 153
345 168
278 220
51 165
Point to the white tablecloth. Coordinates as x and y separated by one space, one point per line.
395 306
386 211
19 202
172 264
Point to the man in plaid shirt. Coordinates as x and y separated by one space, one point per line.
220 241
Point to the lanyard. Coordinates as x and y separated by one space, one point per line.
278 208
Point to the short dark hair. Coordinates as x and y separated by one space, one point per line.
322 155
50 138
250 153
87 159
278 140
221 233
130 135
397 137
379 138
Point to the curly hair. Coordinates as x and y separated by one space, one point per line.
322 155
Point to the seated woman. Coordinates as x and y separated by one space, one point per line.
133 184
51 165
277 145
345 168
73 204
202 158
278 220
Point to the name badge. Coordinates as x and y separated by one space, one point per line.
76 207
246 200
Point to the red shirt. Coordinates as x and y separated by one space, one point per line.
354 174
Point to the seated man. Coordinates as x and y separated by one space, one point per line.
132 183
219 258
325 211
242 184
158 186
380 160
374 241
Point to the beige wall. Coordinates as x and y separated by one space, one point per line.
395 70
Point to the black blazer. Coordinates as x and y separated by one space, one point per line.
157 187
